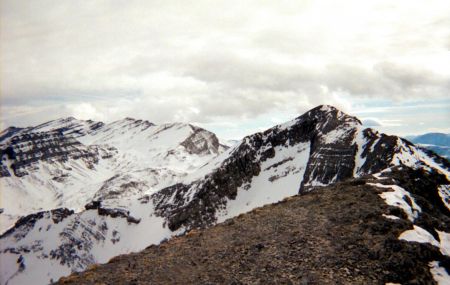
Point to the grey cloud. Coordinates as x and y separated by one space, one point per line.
409 76
206 62
388 80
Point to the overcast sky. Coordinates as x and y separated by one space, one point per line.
234 67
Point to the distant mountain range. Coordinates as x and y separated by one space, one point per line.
437 142
75 193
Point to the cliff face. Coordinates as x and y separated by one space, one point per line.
345 233
25 150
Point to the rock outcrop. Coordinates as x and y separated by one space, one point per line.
25 150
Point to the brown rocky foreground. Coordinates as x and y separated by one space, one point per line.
333 235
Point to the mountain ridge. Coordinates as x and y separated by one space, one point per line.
437 142
310 238
434 138
50 164
247 164
322 147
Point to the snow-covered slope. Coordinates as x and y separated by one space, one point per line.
68 162
158 181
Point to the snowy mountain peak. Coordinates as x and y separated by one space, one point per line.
125 125
69 126
129 120
321 147
66 126
326 108
322 119
143 182
325 113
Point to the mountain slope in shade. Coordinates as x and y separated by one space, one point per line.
321 147
69 162
340 234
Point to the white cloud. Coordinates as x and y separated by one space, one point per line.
209 62
86 111
371 122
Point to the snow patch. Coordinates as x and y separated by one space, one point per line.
336 135
280 177
439 273
418 234
360 142
444 242
397 198
391 217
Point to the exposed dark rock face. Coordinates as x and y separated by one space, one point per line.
118 185
26 223
195 205
213 190
332 136
93 205
23 225
9 132
53 140
143 124
330 159
332 235
70 126
66 126
201 142
24 150
114 213
60 214
380 150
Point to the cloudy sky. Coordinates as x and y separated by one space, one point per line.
234 67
